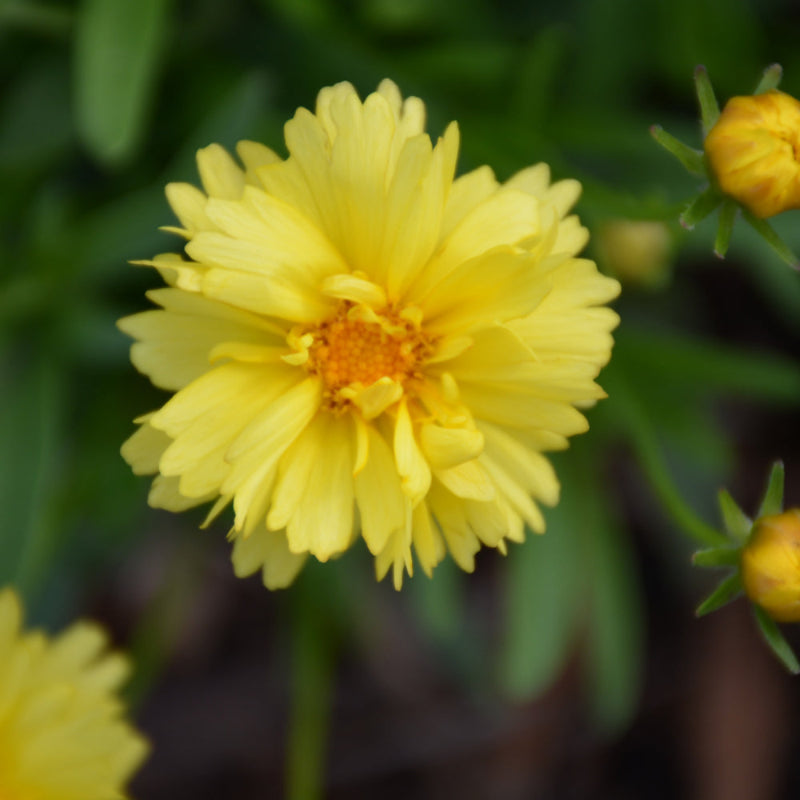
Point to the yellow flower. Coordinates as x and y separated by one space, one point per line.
753 150
62 736
771 565
360 343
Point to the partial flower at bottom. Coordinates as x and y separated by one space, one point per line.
361 345
63 735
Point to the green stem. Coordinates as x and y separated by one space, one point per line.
645 444
312 678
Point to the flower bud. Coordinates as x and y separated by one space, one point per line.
638 252
771 565
753 151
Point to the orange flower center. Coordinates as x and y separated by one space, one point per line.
359 347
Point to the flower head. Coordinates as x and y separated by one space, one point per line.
771 565
62 736
754 152
359 343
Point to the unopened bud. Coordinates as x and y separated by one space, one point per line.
771 565
753 151
638 252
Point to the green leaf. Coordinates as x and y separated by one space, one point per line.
700 208
717 557
118 48
616 625
773 496
729 589
543 588
709 109
29 445
770 79
737 523
680 360
774 638
727 217
691 159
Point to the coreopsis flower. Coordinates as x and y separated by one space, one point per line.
753 151
362 345
62 731
771 565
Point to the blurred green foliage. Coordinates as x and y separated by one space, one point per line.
104 101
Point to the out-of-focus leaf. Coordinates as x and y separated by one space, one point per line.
234 117
773 497
118 47
34 120
615 632
29 451
544 588
774 638
537 77
439 602
679 359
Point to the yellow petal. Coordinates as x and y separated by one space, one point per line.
379 495
375 399
415 474
144 449
449 447
219 173
269 552
322 523
189 205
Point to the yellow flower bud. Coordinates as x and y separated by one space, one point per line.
638 252
771 565
753 151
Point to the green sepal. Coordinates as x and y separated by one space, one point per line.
774 638
727 216
773 496
700 207
691 159
729 589
770 79
709 108
717 557
770 235
737 524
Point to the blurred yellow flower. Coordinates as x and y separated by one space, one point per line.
771 565
754 152
62 733
637 251
360 343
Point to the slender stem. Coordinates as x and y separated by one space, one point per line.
312 677
645 444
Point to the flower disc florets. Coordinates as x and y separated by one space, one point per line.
361 343
359 347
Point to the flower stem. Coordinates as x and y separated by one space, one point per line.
312 673
645 444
